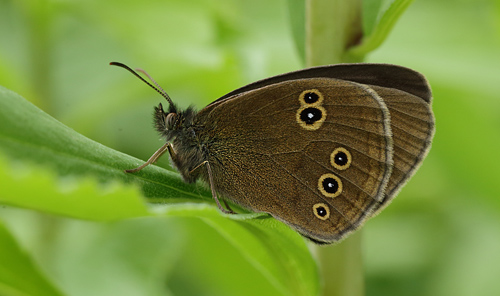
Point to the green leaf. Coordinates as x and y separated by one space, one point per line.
19 276
379 17
84 199
372 10
30 134
269 245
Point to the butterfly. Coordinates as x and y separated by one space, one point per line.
322 149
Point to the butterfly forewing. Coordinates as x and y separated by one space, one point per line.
274 145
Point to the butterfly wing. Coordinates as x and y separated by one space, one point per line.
412 125
407 96
315 153
383 75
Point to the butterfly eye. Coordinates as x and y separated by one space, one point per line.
330 185
341 158
321 211
311 97
311 118
170 120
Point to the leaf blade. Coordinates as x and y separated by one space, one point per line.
378 23
18 274
269 245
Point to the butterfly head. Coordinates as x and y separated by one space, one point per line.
175 122
166 123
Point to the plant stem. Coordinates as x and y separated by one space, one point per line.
341 267
38 15
332 26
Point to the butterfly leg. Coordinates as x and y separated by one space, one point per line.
154 157
212 188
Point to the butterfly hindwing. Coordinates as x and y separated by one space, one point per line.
412 125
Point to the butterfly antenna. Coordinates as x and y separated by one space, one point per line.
157 88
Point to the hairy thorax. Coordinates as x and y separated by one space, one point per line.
190 153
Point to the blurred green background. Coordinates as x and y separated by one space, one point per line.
441 236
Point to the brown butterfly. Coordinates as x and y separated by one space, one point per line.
321 149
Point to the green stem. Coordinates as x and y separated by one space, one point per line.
341 267
332 27
38 15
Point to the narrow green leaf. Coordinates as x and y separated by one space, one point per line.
379 17
19 276
372 10
28 133
39 189
271 246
